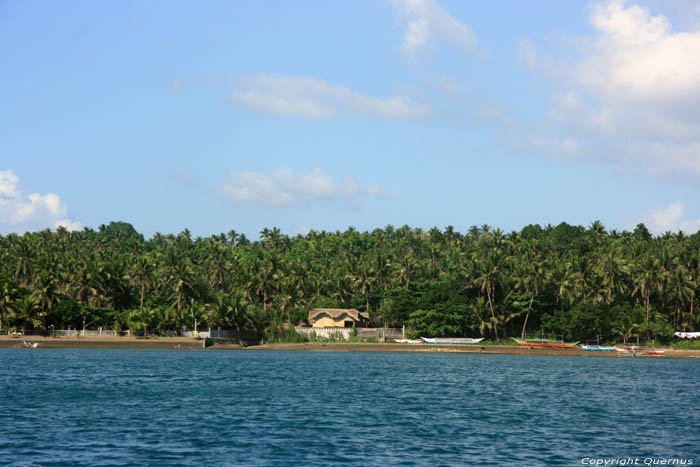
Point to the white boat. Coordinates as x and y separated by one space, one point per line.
636 350
451 340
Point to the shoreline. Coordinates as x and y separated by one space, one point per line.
188 343
90 342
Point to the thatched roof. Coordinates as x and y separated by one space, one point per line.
336 313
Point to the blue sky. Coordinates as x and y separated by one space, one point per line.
214 116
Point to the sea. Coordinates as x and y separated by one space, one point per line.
298 408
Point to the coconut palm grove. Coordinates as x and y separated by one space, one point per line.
567 281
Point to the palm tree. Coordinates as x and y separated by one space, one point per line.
24 256
362 283
405 269
612 269
26 311
45 292
646 281
488 278
141 273
528 275
7 298
681 290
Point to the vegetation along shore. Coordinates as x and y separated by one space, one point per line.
572 282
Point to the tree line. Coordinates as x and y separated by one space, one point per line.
569 281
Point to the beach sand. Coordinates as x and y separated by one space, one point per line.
104 342
190 343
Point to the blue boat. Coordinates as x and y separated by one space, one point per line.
451 340
597 347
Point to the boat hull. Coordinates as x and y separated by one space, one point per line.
597 348
639 351
449 340
545 343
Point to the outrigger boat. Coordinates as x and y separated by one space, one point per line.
635 350
542 342
597 347
451 340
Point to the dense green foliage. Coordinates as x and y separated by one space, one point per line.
564 280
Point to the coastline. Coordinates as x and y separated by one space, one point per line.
104 342
187 343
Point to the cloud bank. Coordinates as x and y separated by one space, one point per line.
21 212
670 219
630 96
299 96
286 187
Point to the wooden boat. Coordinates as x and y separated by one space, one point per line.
597 348
546 343
635 350
653 351
451 340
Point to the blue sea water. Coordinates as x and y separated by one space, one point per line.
168 407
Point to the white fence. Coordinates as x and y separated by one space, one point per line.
326 333
74 332
344 333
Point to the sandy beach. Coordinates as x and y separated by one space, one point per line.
104 342
193 344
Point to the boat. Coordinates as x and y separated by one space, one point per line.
635 350
597 347
408 341
30 345
653 351
452 340
546 343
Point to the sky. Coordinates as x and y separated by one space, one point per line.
246 115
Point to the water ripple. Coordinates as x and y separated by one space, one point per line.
162 407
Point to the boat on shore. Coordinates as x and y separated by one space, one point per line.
546 343
636 350
451 340
597 347
30 345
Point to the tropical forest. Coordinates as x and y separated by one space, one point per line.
567 281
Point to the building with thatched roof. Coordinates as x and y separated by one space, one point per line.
337 317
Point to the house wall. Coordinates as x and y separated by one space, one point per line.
328 322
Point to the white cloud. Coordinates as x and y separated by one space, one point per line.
286 187
425 20
21 212
630 97
68 224
299 96
671 219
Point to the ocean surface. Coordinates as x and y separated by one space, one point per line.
177 407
